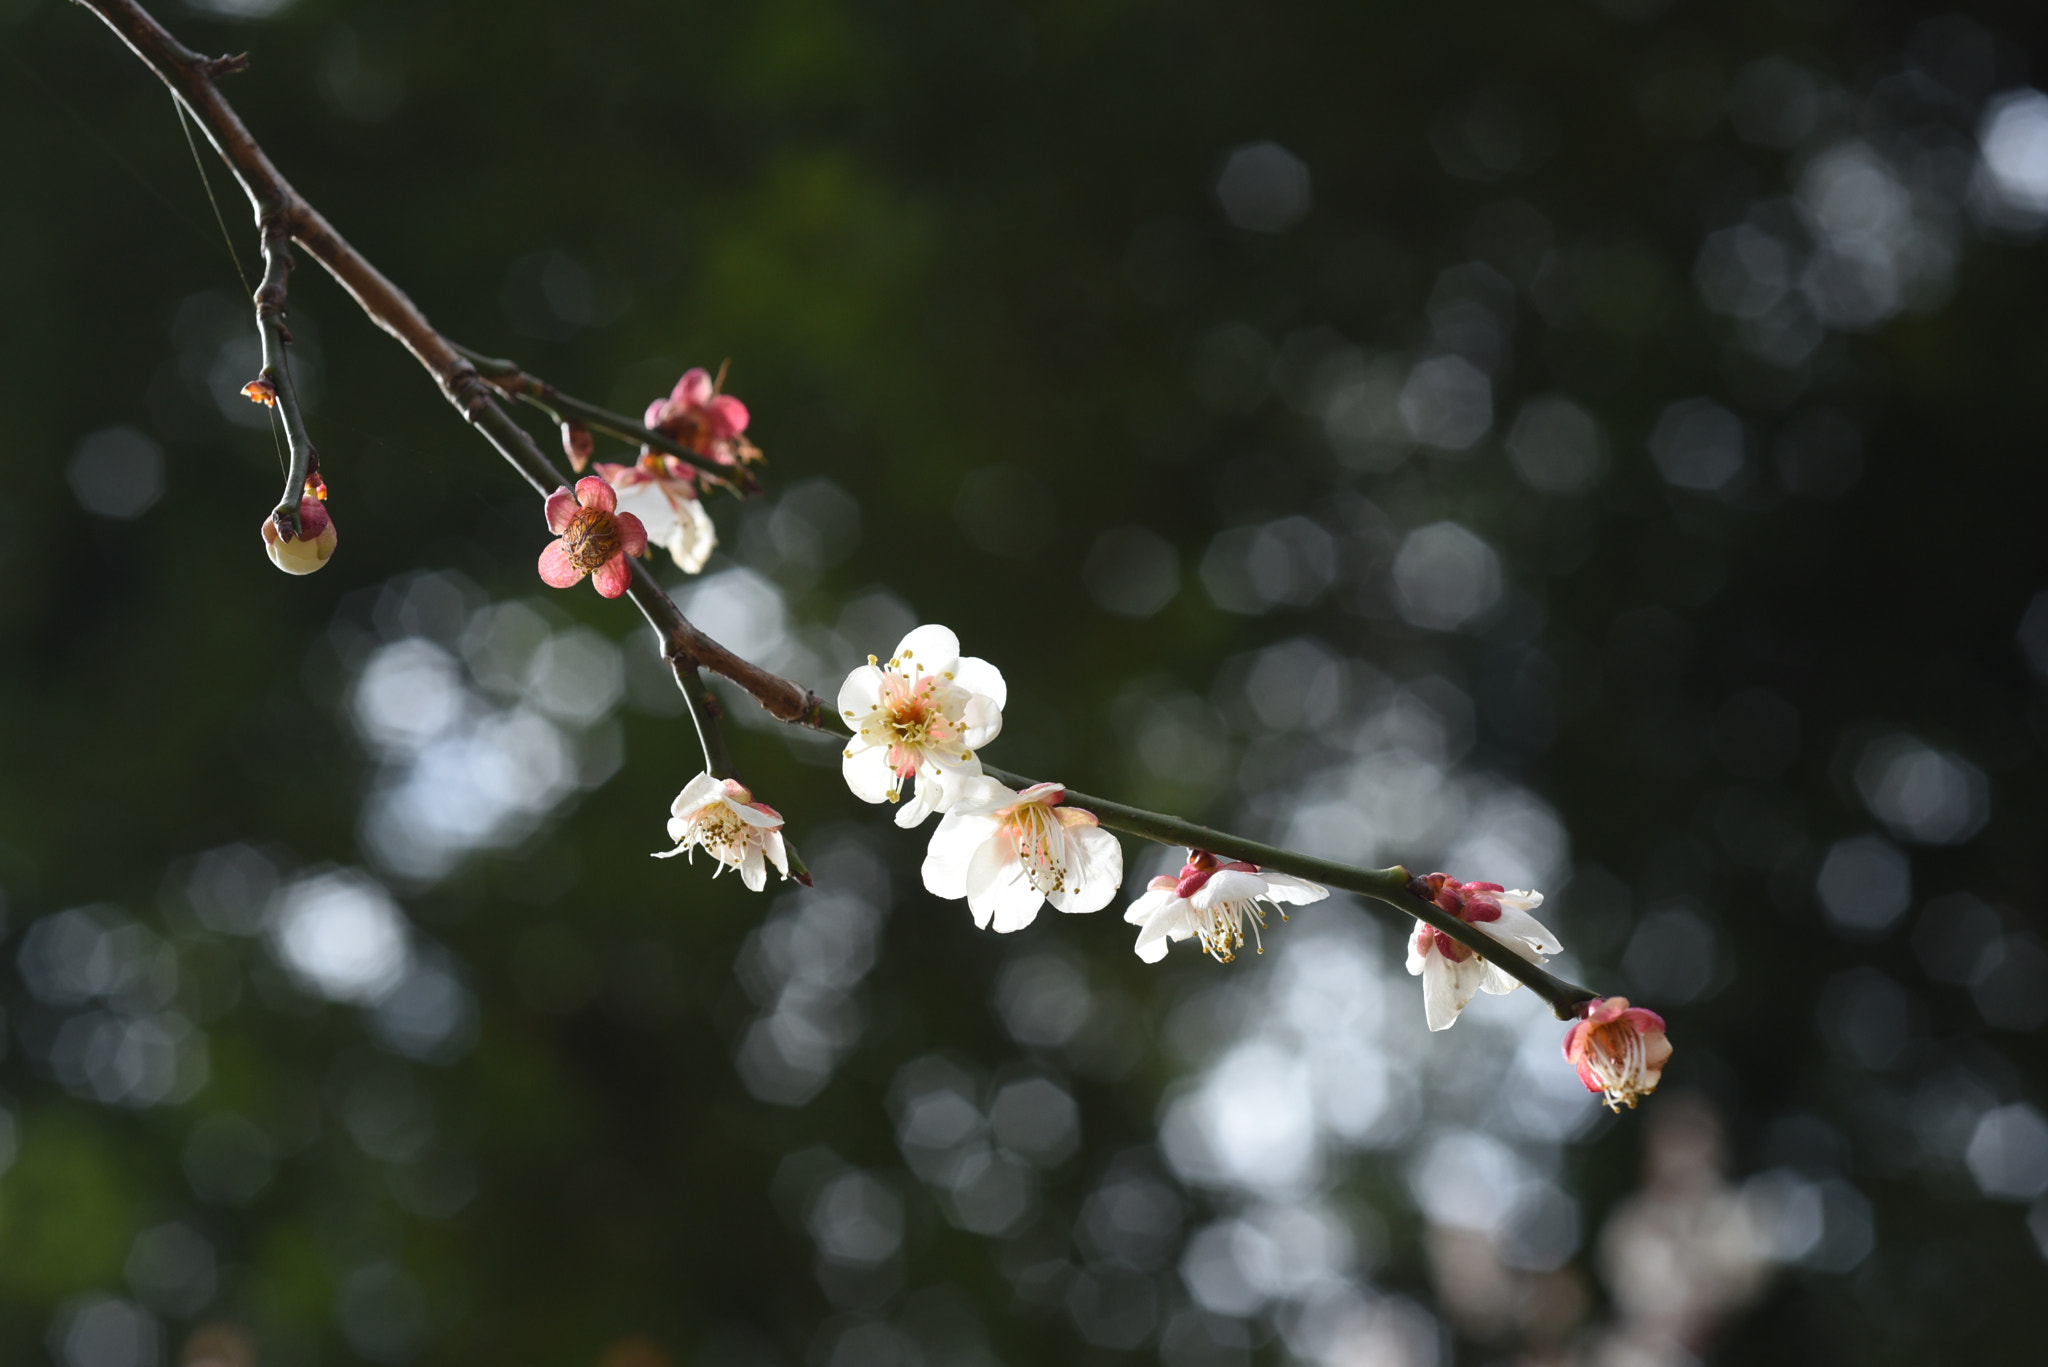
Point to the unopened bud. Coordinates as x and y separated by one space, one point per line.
577 445
311 548
261 390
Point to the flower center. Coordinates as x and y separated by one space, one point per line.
1616 1054
1223 935
1041 847
722 833
592 538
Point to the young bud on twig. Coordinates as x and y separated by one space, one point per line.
311 548
261 390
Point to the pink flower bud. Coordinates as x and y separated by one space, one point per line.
1619 1050
577 445
311 548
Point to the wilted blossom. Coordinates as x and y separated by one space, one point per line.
311 548
1619 1050
1453 974
921 715
696 415
1210 901
592 537
1008 852
722 817
662 492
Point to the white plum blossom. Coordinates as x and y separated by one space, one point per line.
1008 852
922 715
1209 901
1452 974
662 492
722 817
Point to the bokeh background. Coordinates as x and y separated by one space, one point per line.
1591 446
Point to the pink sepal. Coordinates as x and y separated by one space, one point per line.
557 570
615 575
561 507
593 492
313 518
632 534
657 411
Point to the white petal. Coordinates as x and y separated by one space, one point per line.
1520 899
777 854
929 649
751 871
981 721
1147 906
645 501
1095 869
1418 949
698 792
1231 885
1169 921
754 816
997 891
1498 981
1515 925
979 676
860 694
974 794
1151 951
866 771
1447 987
693 539
920 805
1281 887
951 852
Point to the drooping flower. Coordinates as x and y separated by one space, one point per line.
1210 901
311 548
662 492
721 817
1008 852
1619 1050
591 537
1453 974
922 715
696 415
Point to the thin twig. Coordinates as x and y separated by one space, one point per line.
304 461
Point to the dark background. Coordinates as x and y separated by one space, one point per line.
1589 445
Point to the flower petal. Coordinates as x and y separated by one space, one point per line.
1447 987
952 849
632 535
613 577
860 694
929 649
561 506
865 768
593 492
1516 925
725 416
696 794
693 389
1095 869
557 570
1142 911
979 676
1282 887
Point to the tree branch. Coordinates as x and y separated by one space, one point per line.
281 213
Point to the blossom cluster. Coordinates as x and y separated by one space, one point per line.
919 721
623 509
